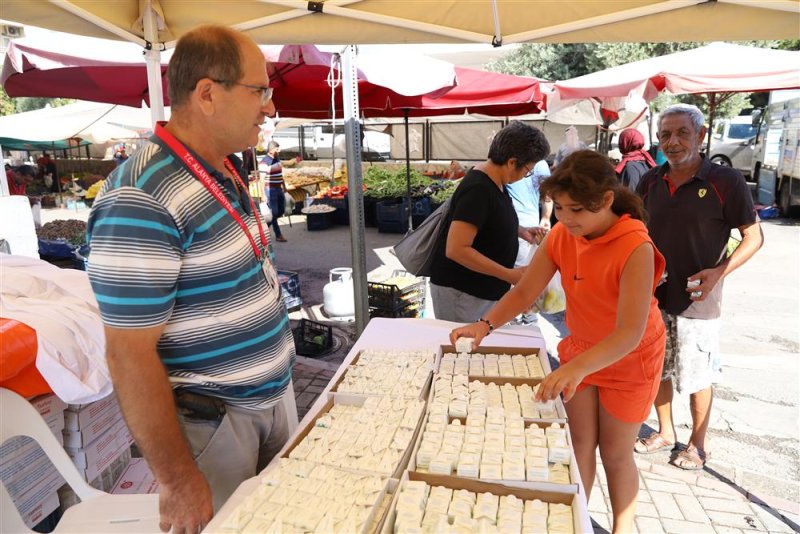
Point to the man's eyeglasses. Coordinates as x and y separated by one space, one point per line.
266 92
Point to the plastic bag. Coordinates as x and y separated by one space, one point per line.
266 213
552 299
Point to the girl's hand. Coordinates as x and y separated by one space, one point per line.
477 330
564 379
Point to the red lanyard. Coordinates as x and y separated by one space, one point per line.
199 172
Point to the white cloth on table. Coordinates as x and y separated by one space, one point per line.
60 306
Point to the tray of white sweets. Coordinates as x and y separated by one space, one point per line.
498 448
435 503
405 373
458 396
280 502
493 362
372 435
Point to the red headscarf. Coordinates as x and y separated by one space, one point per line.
631 142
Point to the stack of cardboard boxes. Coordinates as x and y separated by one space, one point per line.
27 473
97 440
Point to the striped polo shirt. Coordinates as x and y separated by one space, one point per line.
272 166
165 252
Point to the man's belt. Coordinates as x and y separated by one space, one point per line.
197 406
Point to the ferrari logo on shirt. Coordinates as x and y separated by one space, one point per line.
702 192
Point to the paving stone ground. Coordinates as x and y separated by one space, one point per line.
670 500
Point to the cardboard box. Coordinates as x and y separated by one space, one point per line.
356 400
423 394
100 453
91 427
48 405
514 381
535 352
580 513
574 474
36 509
137 478
35 473
80 416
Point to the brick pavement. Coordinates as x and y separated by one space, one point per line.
670 500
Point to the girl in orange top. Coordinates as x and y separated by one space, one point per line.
611 362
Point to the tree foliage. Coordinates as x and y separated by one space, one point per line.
564 61
9 106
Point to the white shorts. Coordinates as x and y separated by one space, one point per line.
692 358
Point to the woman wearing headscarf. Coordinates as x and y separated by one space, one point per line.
635 160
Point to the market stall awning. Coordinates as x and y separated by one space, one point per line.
718 67
379 21
68 126
304 77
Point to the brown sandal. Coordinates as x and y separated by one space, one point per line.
691 459
655 442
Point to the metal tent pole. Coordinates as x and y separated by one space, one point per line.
356 193
152 54
408 172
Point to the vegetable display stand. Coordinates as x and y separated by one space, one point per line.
392 216
370 213
312 338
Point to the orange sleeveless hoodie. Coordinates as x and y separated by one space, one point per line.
590 274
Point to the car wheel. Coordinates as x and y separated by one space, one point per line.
721 160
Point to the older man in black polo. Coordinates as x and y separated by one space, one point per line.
693 206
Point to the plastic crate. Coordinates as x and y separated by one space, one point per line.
392 216
342 214
370 212
420 210
319 221
312 338
290 288
412 310
391 297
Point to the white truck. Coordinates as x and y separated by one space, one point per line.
776 165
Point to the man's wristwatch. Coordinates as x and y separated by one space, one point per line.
488 323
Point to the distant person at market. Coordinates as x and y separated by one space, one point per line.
19 178
693 206
198 340
48 167
611 361
473 263
454 171
274 186
636 161
533 213
572 142
120 155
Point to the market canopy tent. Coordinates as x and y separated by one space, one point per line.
72 125
715 68
379 21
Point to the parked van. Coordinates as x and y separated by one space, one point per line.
732 143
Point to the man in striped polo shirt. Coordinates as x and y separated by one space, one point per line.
198 340
275 187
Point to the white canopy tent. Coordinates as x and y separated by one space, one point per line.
155 24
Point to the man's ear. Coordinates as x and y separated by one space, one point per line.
702 133
204 95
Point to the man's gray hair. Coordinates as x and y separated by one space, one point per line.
694 113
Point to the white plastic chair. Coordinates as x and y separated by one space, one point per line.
98 512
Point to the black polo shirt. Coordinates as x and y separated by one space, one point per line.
479 202
691 226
